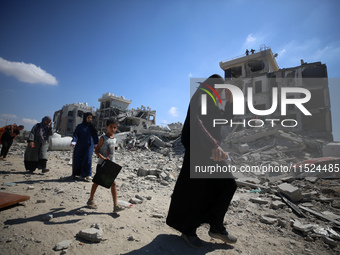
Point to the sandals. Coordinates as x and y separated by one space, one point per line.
118 208
91 204
86 179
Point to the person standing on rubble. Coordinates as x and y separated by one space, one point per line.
38 142
85 138
202 200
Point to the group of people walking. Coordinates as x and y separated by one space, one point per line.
194 200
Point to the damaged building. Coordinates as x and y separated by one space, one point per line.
67 119
112 106
261 72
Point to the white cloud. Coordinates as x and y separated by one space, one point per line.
30 121
173 111
311 50
250 38
29 73
5 115
282 52
190 75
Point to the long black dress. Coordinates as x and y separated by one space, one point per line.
196 201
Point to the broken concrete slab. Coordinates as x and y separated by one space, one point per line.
62 245
251 185
331 150
155 140
268 219
331 215
292 192
311 179
277 205
289 136
258 200
288 179
304 228
325 217
91 234
325 199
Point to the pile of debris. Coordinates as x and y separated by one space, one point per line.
310 189
272 146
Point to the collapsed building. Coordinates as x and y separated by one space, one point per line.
112 106
261 72
67 119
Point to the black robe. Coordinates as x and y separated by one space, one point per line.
197 201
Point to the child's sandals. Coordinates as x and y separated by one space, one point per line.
91 204
118 208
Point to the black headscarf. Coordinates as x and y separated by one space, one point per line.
43 129
89 124
85 117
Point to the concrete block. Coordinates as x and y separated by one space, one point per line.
91 234
157 141
258 201
331 150
277 205
268 219
292 192
288 179
303 228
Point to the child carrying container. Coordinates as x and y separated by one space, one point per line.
105 151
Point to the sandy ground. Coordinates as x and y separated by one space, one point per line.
134 230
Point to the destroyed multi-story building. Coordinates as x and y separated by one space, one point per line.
260 71
112 106
66 119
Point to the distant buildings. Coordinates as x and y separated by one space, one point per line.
111 106
260 71
66 119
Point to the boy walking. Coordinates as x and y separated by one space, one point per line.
105 151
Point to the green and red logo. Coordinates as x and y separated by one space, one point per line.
209 93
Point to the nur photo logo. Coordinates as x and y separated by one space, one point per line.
204 97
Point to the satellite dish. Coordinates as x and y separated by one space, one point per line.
275 55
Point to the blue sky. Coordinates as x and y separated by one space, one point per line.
54 53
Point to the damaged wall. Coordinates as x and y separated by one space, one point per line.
260 71
66 119
112 106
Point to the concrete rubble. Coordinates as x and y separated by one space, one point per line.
152 161
63 245
92 234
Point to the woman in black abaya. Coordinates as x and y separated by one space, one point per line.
202 200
